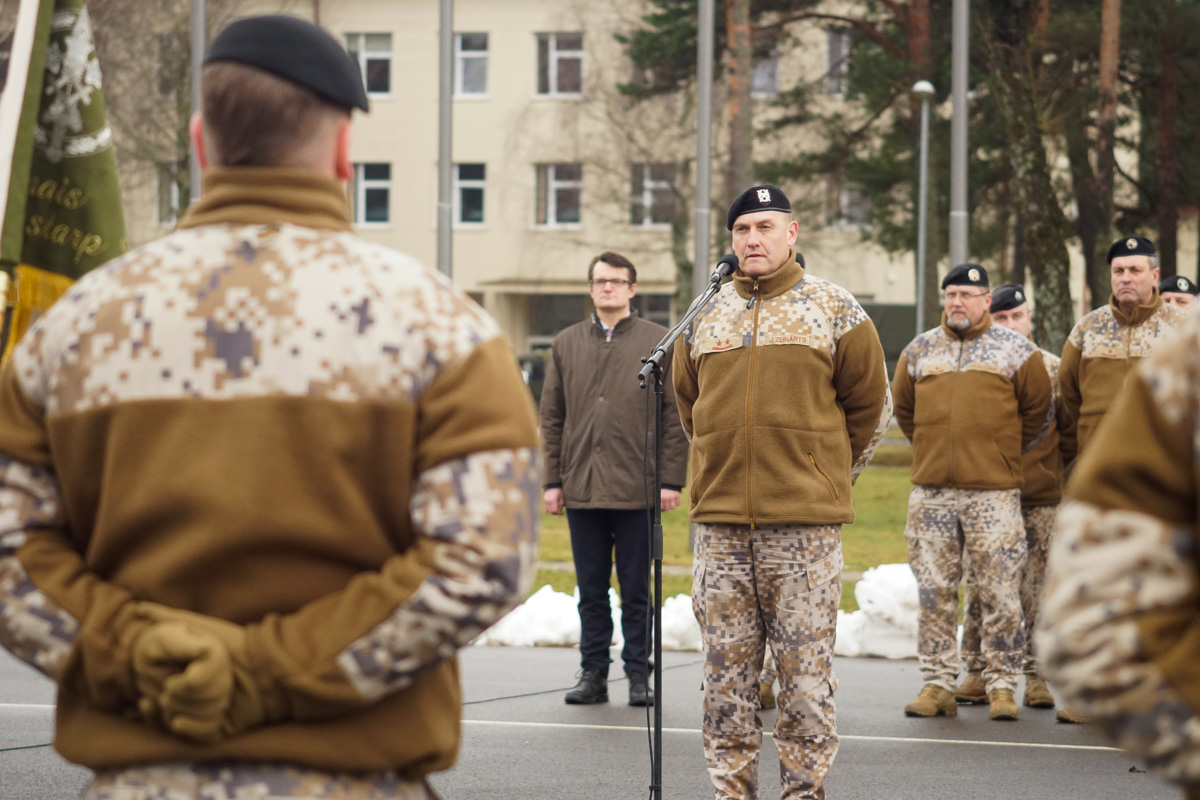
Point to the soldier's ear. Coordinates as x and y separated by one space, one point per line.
345 170
196 129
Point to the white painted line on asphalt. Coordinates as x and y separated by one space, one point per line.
767 734
26 705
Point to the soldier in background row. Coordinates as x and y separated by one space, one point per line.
1178 290
964 511
1042 470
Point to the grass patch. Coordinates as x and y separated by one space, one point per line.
876 536
556 537
880 506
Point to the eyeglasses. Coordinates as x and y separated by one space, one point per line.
951 297
615 282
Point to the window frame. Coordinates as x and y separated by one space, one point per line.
649 184
462 56
837 71
360 187
771 59
553 56
361 54
546 195
459 184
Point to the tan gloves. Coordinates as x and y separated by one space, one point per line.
196 676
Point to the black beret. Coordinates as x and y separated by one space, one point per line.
1177 284
1008 297
297 51
966 275
1133 246
764 197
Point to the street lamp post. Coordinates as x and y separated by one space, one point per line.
924 91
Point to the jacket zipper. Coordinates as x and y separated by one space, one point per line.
962 345
750 404
824 477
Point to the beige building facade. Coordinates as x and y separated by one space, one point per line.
551 164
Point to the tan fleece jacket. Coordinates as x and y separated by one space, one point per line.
263 418
971 403
782 387
1102 350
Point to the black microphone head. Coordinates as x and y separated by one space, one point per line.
725 267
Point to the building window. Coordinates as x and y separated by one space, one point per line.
168 194
651 195
470 64
560 63
838 66
559 194
764 80
848 207
469 193
372 194
373 51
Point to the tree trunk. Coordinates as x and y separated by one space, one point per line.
1087 204
1099 280
740 174
1167 208
1045 228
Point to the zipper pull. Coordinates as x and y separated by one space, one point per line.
754 295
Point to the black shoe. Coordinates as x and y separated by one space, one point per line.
592 688
640 693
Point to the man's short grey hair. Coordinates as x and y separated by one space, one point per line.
1153 262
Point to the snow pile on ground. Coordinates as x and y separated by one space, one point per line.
551 619
885 624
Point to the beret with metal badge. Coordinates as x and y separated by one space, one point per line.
763 197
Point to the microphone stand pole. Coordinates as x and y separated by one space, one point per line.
653 365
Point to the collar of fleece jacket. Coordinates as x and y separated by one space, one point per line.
1140 314
266 195
973 332
771 285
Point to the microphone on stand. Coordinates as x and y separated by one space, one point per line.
725 267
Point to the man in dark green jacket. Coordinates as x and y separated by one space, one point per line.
599 467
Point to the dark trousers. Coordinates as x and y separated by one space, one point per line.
595 534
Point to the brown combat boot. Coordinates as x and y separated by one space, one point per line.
1037 695
932 701
1071 715
1002 704
766 696
971 690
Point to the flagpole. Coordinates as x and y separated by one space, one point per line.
12 100
199 45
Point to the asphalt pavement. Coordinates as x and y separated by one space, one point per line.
521 741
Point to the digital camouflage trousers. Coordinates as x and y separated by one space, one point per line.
781 586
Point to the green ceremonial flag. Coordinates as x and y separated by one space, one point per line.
60 200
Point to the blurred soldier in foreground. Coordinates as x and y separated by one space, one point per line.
1119 634
1178 291
782 387
252 502
965 504
600 469
1042 468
